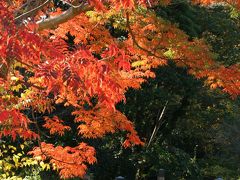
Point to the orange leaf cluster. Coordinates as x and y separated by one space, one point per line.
55 125
70 161
94 120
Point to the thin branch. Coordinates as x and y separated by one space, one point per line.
32 85
158 124
10 3
149 3
25 15
73 11
144 49
20 8
38 129
41 132
26 64
40 142
135 41
72 4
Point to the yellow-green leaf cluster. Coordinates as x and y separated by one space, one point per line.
14 161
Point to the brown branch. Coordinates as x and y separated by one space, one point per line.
26 14
17 11
26 64
40 142
10 3
74 4
31 85
135 41
144 49
54 21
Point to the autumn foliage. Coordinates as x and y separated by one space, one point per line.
38 69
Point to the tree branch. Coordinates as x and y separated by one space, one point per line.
40 143
32 85
144 49
135 41
73 11
158 124
26 14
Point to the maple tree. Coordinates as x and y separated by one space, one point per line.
38 69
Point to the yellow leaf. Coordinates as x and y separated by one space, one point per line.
37 158
13 78
16 88
169 53
12 147
43 165
22 146
47 167
15 159
138 63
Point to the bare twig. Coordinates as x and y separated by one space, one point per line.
72 4
158 124
26 14
149 3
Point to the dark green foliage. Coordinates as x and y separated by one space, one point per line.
198 137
